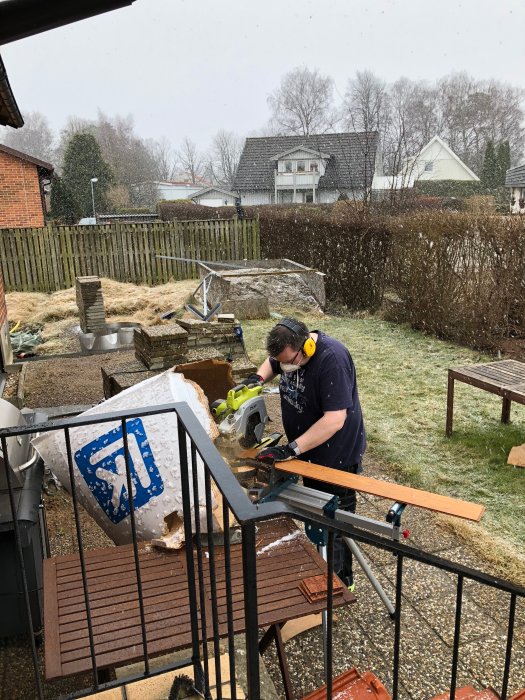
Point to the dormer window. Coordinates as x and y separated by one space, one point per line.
314 166
301 166
287 166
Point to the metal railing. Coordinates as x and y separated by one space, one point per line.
197 452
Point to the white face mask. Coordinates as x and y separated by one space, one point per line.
289 368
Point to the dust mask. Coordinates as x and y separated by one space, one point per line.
289 368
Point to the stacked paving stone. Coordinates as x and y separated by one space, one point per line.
161 347
217 335
90 304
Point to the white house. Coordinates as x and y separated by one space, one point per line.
515 181
214 197
436 161
316 168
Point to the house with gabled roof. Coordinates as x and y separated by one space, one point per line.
436 161
315 168
214 196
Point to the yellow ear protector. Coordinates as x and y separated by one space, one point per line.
308 346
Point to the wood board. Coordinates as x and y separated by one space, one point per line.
384 489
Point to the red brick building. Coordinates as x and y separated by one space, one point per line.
22 180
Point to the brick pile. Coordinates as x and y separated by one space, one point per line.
185 341
90 304
161 347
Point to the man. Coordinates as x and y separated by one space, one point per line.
320 410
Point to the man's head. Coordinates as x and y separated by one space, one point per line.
286 339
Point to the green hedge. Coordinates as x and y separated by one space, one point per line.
448 188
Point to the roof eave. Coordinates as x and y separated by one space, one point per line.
9 113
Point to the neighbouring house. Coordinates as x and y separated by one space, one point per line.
151 192
515 181
316 168
214 197
22 182
435 161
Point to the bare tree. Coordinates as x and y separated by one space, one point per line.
35 138
191 161
225 154
474 112
303 104
165 158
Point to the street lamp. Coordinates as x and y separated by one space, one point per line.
93 180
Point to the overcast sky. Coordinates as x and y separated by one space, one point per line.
184 67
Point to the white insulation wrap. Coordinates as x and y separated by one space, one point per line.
100 468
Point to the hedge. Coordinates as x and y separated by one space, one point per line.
459 276
343 240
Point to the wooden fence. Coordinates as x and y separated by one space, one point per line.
48 259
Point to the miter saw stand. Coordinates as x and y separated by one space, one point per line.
308 501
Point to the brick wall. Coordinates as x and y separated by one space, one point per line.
20 198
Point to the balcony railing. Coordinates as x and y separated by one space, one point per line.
290 181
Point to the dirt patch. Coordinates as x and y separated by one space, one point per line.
62 381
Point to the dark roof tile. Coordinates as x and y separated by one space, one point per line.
352 159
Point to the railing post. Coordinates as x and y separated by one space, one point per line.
249 568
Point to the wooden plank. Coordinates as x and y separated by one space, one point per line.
385 489
53 663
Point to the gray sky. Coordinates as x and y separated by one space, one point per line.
183 67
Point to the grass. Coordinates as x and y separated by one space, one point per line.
402 378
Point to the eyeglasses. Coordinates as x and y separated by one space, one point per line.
292 361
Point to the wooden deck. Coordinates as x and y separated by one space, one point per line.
281 566
505 378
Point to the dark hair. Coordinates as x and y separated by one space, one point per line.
281 337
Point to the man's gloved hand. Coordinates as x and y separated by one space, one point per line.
278 453
253 379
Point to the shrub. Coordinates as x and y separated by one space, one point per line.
459 276
346 242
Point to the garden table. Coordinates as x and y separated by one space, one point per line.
281 566
505 378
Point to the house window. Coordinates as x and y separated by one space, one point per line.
309 198
287 166
429 166
301 166
314 166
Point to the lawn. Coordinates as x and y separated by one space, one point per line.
402 376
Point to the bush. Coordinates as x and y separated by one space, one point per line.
459 276
448 188
346 242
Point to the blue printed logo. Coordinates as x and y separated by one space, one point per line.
103 465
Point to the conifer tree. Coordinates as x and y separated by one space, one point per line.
503 162
82 161
64 206
489 171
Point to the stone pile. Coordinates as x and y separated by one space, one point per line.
185 341
161 347
90 304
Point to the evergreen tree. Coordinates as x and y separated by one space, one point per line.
64 206
82 161
503 161
489 171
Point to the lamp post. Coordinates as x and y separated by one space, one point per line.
93 180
